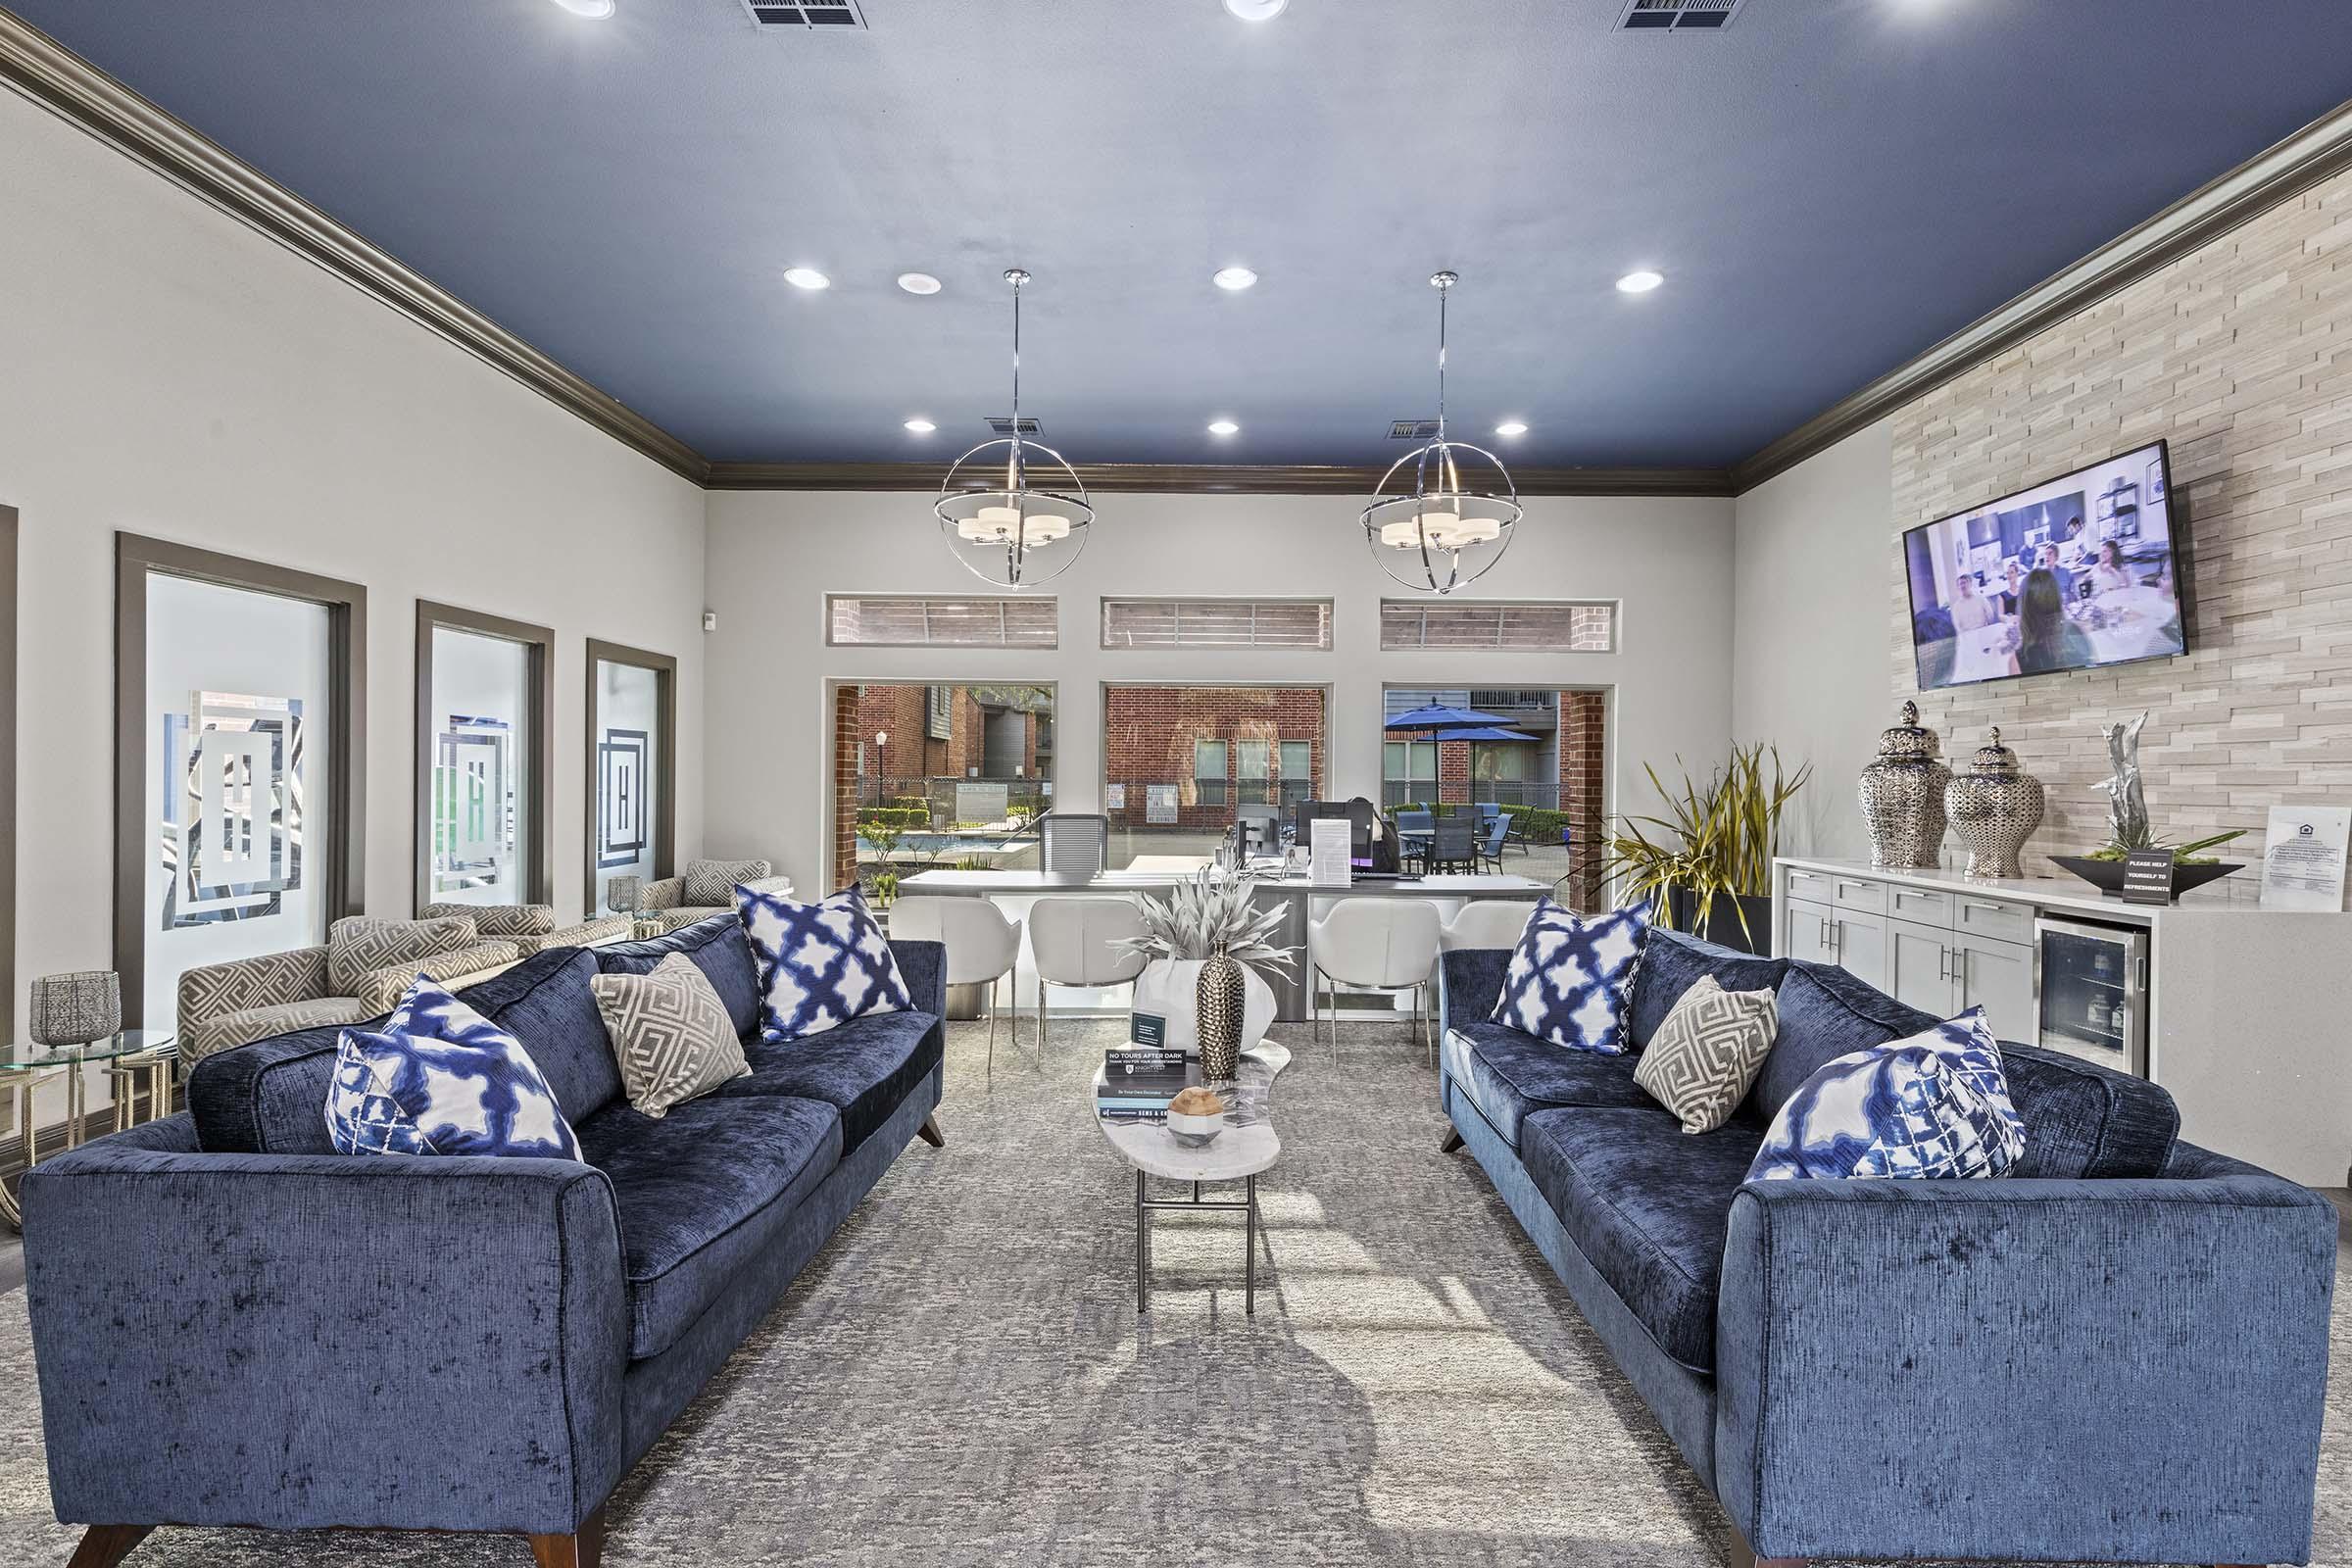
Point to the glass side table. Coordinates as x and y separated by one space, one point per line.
136 1058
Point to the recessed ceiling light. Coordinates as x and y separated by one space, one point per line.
1641 282
1511 427
1223 427
1257 10
807 277
1232 278
918 282
593 10
920 426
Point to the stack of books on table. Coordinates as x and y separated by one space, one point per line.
1139 1082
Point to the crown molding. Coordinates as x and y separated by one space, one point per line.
1204 479
2277 173
62 82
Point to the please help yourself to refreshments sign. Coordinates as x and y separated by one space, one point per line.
2149 876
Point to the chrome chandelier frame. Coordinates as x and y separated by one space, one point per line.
966 492
1440 563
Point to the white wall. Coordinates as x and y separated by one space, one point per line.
1808 668
167 370
773 556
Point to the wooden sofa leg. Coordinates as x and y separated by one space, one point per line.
1453 1141
1743 1555
104 1545
584 1549
929 1132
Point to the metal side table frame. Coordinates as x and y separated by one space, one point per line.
128 1057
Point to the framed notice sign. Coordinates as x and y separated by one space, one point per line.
2303 857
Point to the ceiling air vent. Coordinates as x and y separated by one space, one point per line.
1678 15
1413 430
1001 423
804 13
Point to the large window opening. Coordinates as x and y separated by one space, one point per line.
1178 762
1532 766
942 776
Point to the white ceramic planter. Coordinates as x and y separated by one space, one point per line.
1170 988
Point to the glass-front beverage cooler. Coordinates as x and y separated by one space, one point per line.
2093 991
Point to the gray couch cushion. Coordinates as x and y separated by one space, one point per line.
699 1192
1650 1207
1826 1013
1509 1075
1671 961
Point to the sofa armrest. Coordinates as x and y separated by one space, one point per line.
923 965
782 886
501 921
663 893
300 1340
1470 983
272 980
2058 1370
380 991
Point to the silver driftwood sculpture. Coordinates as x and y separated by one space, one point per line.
2127 802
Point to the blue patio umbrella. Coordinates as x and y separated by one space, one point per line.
1448 720
1489 732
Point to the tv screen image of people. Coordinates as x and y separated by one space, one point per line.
2079 573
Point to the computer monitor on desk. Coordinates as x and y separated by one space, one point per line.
1257 830
1360 818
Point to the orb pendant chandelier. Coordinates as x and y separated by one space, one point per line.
1014 511
1455 520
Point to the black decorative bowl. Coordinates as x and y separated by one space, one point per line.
2108 875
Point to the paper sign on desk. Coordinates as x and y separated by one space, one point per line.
1333 839
2303 857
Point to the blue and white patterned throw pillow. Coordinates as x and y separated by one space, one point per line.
441 1079
820 964
1571 979
1934 1105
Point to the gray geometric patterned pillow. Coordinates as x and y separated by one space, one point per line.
671 1033
1705 1055
710 884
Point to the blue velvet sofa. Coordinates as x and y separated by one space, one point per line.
2117 1352
234 1325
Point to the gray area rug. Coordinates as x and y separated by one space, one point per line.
961 1378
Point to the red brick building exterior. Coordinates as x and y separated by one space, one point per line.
1150 736
903 713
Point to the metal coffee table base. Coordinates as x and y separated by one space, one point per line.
1143 1204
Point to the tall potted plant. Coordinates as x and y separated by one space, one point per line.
1202 921
1706 865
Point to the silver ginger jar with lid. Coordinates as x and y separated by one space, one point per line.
1902 796
1996 806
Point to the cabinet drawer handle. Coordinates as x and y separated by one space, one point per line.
1943 963
1979 903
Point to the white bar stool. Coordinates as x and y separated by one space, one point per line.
1379 945
1071 943
981 945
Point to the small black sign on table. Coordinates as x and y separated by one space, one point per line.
2149 876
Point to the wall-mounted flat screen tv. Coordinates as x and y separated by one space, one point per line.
2085 570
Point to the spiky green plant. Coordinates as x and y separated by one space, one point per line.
1717 839
1207 913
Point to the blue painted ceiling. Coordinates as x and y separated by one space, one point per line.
1829 186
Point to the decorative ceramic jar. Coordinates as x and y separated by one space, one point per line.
1996 806
1902 796
1221 1000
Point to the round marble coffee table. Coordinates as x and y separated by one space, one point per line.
1238 1153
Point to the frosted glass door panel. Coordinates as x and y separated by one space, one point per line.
238 731
482 753
629 746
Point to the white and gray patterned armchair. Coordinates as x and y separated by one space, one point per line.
530 926
357 975
707 888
